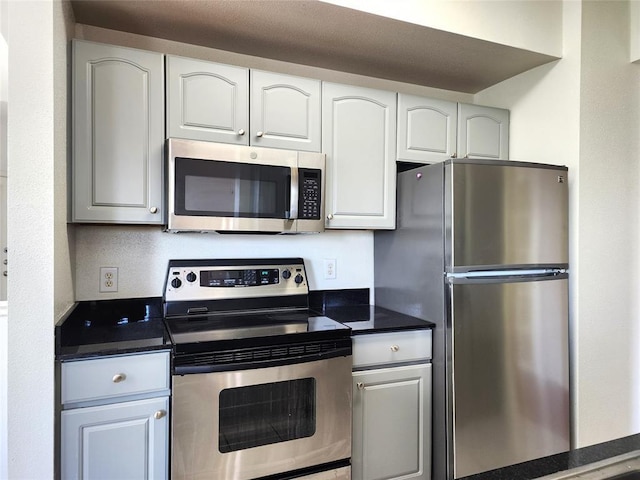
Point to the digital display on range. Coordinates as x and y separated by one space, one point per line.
239 278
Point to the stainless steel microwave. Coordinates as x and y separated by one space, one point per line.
236 188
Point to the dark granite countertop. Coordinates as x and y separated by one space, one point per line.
562 461
108 327
365 319
351 308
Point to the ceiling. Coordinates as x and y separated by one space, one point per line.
310 32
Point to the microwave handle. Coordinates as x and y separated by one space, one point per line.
293 207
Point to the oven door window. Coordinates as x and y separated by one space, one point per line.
257 415
230 189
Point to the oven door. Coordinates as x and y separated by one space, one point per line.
241 425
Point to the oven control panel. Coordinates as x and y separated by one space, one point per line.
238 278
202 281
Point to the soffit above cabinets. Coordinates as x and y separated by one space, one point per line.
318 34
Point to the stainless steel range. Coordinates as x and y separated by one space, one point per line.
261 387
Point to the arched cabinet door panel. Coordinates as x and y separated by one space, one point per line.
285 111
426 129
207 101
483 132
359 139
118 134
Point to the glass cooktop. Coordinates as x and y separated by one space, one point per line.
211 328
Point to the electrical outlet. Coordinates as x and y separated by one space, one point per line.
329 268
108 279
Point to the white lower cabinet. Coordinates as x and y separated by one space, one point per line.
391 423
127 440
392 411
114 422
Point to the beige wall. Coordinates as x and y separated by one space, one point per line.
607 326
583 111
63 240
30 233
38 248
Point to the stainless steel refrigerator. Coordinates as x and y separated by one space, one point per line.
481 249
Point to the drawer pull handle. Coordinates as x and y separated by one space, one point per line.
159 414
360 385
119 377
395 348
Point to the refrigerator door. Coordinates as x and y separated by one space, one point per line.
504 213
509 339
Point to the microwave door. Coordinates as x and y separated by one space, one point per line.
220 195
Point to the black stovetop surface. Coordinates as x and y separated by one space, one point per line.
227 327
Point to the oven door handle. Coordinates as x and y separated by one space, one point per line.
294 195
187 364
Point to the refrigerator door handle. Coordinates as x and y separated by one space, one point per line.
503 277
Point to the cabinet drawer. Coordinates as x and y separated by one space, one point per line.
86 380
394 347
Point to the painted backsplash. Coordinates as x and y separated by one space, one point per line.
141 254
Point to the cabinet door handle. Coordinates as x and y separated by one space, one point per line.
395 348
119 377
153 209
360 385
330 216
159 414
259 134
241 132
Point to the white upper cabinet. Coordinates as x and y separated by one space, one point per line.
285 111
118 134
359 139
483 132
207 101
222 103
426 129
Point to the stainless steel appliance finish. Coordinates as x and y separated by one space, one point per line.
481 250
196 411
511 399
505 215
261 387
235 188
342 473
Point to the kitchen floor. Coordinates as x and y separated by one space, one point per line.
622 467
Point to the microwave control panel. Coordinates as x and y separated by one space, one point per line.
310 192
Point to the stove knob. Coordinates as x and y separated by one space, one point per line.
176 283
191 277
286 274
298 279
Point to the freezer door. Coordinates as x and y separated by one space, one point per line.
504 213
510 373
